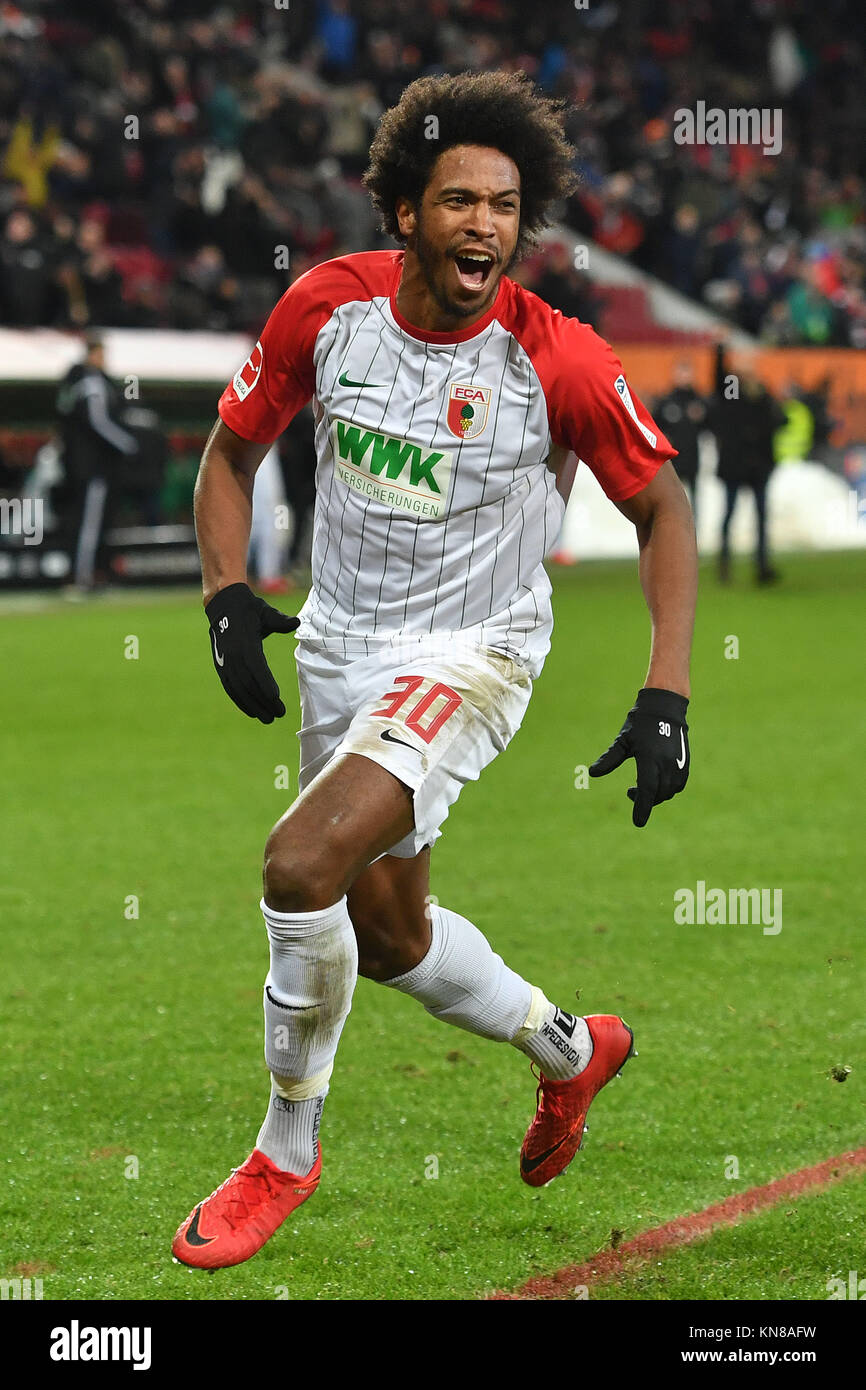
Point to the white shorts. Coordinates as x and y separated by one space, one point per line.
432 713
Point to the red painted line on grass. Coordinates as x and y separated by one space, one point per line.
683 1229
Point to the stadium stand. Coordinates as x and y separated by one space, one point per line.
178 164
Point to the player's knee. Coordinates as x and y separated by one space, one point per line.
301 878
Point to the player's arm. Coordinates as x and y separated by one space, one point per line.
239 621
223 507
655 732
266 393
668 568
592 409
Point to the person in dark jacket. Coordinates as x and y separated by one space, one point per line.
28 294
745 417
682 414
94 444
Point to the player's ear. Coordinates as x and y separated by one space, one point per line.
407 219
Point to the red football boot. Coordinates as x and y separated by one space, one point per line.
235 1221
556 1133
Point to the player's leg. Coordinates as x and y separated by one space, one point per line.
441 723
389 906
351 812
459 978
448 966
411 944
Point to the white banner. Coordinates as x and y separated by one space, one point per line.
151 354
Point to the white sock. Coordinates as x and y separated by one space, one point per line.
289 1135
462 981
307 998
558 1042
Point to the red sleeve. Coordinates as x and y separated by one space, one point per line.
279 376
589 405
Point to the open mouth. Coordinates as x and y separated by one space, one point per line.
473 268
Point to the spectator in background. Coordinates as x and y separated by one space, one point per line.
685 250
811 312
616 224
338 34
808 424
745 418
101 285
205 295
27 287
89 287
682 414
287 96
250 225
564 288
94 444
816 399
793 441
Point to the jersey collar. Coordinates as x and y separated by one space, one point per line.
453 337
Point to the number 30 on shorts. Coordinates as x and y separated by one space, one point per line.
395 699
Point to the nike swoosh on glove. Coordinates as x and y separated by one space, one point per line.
239 623
656 735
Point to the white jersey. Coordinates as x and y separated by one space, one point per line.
436 498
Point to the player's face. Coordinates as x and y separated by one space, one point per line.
464 233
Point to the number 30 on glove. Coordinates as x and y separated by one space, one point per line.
656 735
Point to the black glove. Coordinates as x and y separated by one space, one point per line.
239 622
656 735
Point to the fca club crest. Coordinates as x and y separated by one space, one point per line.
467 409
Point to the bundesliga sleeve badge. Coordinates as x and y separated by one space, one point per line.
248 376
467 409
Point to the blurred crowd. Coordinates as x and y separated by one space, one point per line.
175 163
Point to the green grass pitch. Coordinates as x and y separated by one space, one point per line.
131 1046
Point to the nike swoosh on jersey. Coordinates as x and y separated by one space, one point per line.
389 738
192 1236
220 660
683 747
345 380
528 1165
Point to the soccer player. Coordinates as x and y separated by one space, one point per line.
446 398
